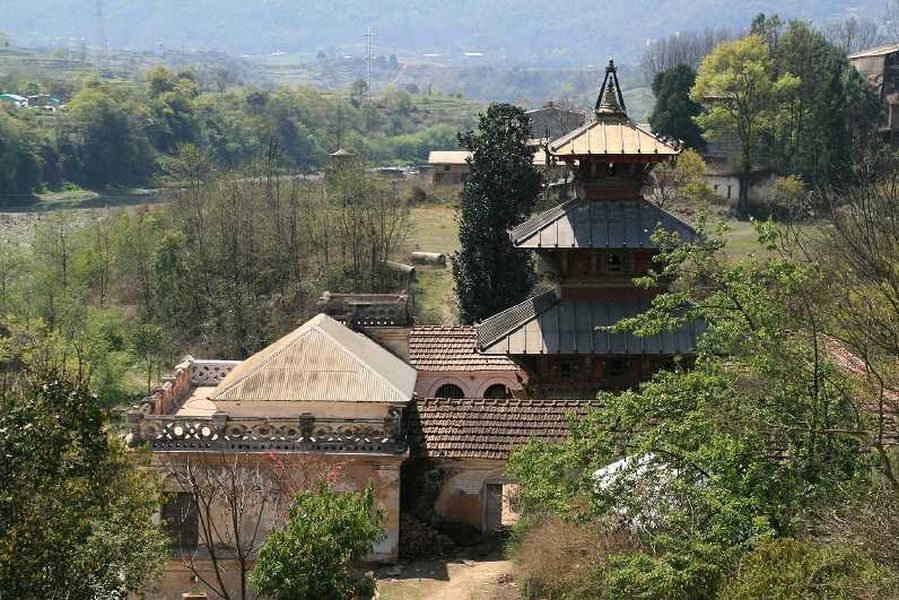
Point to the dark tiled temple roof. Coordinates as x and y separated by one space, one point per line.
452 349
487 429
606 224
547 324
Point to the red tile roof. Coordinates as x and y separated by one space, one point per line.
452 349
480 428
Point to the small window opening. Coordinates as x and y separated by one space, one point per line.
449 390
497 391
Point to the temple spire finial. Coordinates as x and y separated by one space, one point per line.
610 100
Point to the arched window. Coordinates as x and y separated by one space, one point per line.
497 391
449 390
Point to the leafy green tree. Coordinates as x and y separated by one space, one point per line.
172 120
827 112
111 144
75 512
20 160
490 274
674 112
327 535
736 87
706 476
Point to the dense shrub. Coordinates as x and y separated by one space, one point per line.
790 569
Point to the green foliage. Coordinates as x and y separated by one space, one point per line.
20 161
674 111
327 535
75 513
706 478
741 96
789 569
110 144
826 114
490 274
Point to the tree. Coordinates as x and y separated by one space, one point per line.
326 536
490 274
735 86
20 160
824 114
853 34
721 456
76 512
111 145
231 501
686 48
681 181
674 112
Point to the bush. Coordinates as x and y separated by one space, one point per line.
326 537
561 559
789 569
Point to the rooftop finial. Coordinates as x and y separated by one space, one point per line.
610 101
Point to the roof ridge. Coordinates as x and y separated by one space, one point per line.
533 300
364 362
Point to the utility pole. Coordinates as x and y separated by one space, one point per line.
101 37
369 37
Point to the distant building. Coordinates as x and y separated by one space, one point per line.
451 166
547 124
14 100
880 68
724 178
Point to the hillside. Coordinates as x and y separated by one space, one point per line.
576 33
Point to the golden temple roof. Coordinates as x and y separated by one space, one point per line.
610 133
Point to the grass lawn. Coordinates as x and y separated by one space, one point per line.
434 229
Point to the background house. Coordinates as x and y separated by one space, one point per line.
880 68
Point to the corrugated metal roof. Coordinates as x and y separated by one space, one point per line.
581 223
879 51
611 135
547 324
321 361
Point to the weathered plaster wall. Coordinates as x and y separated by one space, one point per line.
461 495
350 472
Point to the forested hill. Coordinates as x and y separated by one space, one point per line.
533 31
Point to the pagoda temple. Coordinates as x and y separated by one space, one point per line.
591 248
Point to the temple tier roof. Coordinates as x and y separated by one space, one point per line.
613 224
549 324
611 134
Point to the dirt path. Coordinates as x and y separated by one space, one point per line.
454 580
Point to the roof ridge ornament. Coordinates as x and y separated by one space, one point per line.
611 100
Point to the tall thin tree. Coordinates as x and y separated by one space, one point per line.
490 274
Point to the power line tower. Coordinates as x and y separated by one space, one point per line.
101 37
369 46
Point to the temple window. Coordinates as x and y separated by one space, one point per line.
449 390
615 368
616 262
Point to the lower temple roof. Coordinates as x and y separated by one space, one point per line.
548 324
